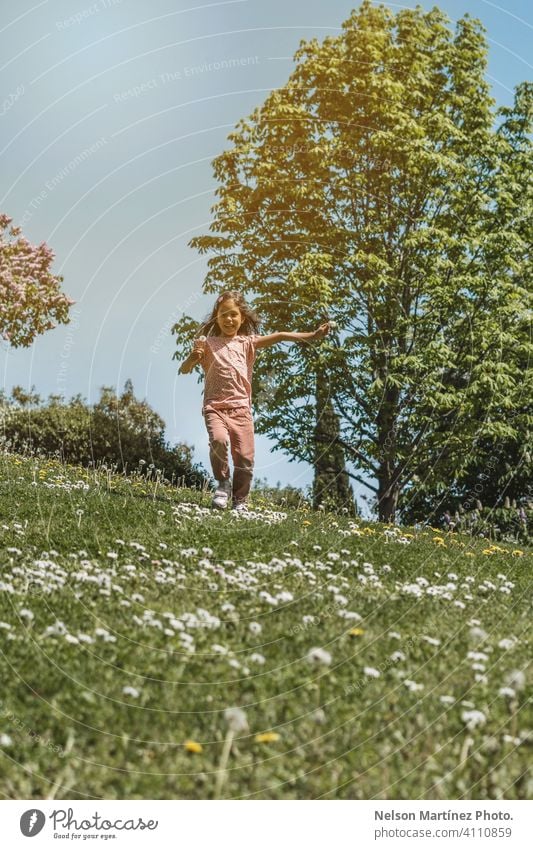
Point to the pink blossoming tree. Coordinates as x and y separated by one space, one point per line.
30 296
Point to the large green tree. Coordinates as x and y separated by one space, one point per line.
371 187
498 466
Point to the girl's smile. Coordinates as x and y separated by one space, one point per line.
229 318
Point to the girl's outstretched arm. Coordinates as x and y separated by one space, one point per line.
294 336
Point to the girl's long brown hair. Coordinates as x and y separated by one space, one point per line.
251 320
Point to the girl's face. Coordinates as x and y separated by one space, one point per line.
229 318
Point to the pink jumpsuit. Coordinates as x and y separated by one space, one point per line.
227 408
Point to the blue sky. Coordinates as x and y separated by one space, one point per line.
109 120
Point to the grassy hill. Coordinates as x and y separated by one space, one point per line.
366 662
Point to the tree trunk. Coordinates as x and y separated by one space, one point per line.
387 422
331 485
388 493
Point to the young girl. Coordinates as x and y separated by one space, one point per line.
227 353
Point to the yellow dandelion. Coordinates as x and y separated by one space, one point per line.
469 554
193 747
438 539
488 551
267 737
409 536
517 553
306 522
356 632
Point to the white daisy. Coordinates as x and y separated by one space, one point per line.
473 718
236 719
319 657
371 672
131 691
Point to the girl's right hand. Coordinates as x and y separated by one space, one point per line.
199 348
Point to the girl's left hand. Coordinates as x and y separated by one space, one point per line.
322 331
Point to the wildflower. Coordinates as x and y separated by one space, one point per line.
5 740
447 700
371 672
193 747
506 643
318 656
267 737
397 656
507 692
236 719
318 716
517 553
507 738
26 614
255 627
516 679
473 718
356 632
433 641
131 691
477 655
477 635
412 685
257 658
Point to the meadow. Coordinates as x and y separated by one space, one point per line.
154 648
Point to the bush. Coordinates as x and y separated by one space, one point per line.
120 431
287 496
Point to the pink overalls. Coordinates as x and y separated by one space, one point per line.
227 408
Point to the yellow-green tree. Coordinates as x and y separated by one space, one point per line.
369 187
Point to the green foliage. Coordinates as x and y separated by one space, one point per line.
380 185
117 430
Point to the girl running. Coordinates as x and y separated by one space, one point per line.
227 353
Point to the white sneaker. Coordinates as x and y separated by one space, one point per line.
240 507
221 496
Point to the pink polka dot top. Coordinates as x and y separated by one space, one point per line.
228 365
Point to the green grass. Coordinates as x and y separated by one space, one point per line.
67 729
